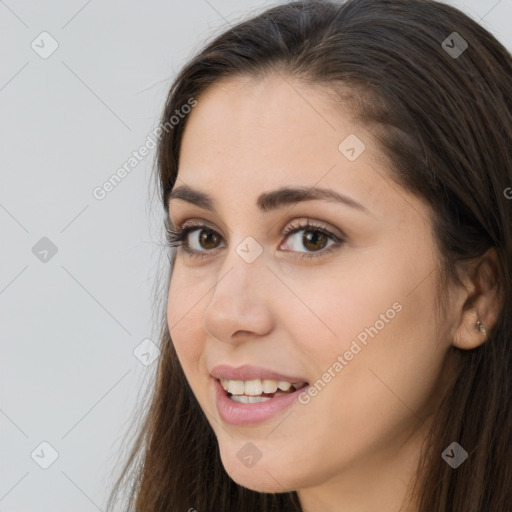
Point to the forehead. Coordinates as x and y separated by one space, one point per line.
272 126
282 112
246 136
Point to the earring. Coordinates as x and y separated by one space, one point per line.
481 327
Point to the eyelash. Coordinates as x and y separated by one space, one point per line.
178 236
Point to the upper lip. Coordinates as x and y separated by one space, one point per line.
250 372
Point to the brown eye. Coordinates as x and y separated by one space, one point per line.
314 240
205 240
208 239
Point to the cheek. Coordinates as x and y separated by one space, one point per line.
383 327
185 308
331 309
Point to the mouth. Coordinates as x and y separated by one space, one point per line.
255 396
252 406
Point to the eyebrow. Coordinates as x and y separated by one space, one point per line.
268 201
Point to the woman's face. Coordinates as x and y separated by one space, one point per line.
356 318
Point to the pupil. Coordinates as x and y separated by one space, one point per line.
312 239
204 237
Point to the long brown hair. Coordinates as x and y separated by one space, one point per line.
443 120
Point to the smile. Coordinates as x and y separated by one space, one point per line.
251 402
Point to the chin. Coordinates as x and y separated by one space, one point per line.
261 477
259 482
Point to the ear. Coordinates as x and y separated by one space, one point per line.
481 300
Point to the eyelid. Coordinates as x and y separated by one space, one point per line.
305 222
179 235
191 223
196 221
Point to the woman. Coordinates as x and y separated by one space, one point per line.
364 364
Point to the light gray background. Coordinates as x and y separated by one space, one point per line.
69 325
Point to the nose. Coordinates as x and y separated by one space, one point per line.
240 305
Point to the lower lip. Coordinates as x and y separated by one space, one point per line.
236 413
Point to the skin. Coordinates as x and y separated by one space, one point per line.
354 447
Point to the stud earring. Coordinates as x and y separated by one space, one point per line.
481 328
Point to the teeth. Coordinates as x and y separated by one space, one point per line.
257 386
270 386
253 387
285 386
249 399
235 387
